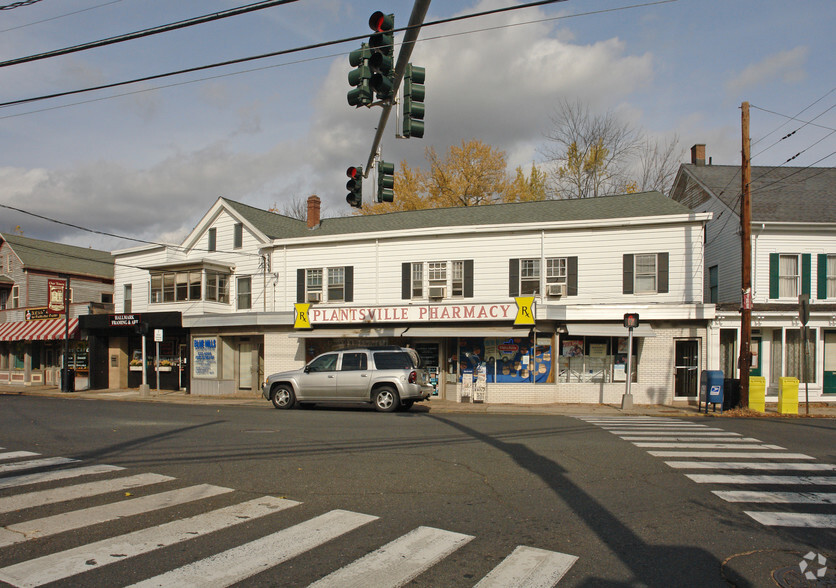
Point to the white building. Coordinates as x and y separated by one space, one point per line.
457 284
793 253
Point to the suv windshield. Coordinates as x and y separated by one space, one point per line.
390 360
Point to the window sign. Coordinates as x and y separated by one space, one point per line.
205 364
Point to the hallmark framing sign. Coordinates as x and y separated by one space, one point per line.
55 302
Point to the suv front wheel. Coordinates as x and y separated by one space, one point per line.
386 399
283 396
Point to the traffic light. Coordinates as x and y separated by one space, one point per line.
385 181
354 185
382 60
413 101
360 77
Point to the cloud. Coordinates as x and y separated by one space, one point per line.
786 66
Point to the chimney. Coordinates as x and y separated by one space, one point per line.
698 154
313 211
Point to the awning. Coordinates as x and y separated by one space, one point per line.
359 333
608 330
40 330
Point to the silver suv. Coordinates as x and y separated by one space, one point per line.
388 377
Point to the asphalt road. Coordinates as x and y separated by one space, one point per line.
555 483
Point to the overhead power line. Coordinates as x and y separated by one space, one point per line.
320 46
18 4
148 32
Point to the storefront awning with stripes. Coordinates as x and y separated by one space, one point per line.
40 330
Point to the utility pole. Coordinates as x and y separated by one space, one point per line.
746 242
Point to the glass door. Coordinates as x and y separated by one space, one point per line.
686 368
829 362
245 365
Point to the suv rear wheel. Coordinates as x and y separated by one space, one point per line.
386 399
283 396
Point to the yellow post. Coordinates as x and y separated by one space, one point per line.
788 395
757 393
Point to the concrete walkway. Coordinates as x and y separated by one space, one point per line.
437 405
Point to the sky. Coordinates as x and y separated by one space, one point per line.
146 161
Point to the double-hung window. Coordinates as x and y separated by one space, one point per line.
244 291
789 275
333 284
529 276
645 273
830 278
556 270
313 285
417 280
437 279
336 284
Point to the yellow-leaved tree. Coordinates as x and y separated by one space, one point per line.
470 174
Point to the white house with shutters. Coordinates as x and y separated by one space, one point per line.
793 253
521 302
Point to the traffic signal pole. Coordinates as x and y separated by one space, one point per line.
416 19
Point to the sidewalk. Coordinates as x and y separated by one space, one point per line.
437 405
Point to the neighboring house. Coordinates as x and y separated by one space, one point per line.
793 253
31 335
520 302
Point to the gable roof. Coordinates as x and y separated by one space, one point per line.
643 204
778 194
47 256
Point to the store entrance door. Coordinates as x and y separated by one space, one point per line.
245 365
829 362
686 367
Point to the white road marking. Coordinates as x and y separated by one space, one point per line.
661 445
678 431
742 465
794 519
50 568
777 497
724 439
766 479
529 567
725 454
398 562
34 463
77 519
16 454
239 563
33 499
27 479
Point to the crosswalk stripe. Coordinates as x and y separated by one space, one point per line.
794 519
777 497
239 563
708 431
16 454
725 454
398 562
696 439
763 479
529 567
50 568
34 463
664 445
27 479
33 499
742 465
77 519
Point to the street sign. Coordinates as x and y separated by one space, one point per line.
158 335
804 309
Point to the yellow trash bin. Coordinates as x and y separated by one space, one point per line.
757 393
788 395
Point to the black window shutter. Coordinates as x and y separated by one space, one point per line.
774 291
406 281
572 276
821 276
662 271
806 273
513 277
627 274
349 283
300 285
468 278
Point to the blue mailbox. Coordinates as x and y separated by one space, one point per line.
711 389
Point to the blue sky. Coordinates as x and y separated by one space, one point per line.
148 160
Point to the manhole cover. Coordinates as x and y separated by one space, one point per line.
792 577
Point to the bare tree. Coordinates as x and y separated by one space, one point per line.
599 154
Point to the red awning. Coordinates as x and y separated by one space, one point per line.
40 330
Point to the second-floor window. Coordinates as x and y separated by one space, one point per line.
15 297
713 284
127 299
334 284
789 275
645 273
830 278
213 239
525 275
437 279
244 290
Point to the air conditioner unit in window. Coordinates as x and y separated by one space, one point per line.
556 289
438 291
314 296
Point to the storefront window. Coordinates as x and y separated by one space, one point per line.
18 351
596 359
512 360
